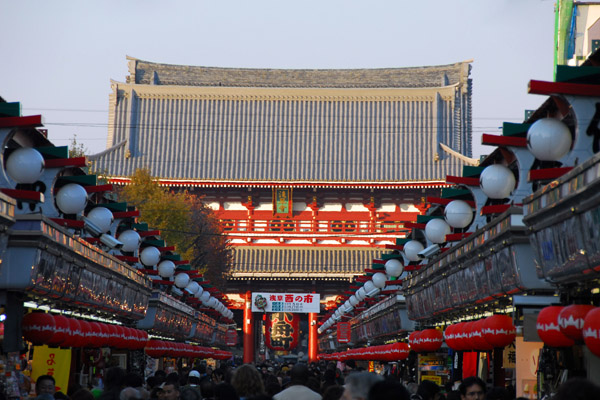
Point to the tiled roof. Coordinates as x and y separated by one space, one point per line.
300 262
150 73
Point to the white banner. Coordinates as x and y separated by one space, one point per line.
286 302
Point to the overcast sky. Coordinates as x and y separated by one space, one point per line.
58 57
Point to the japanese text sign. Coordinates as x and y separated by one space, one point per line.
52 361
286 302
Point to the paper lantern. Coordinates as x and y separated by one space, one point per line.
379 280
499 330
549 139
548 329
458 214
166 268
430 340
464 339
181 280
77 338
591 331
120 341
399 351
105 334
62 330
413 341
131 240
38 327
449 336
497 181
394 268
86 330
94 335
25 165
150 256
412 249
71 198
571 319
102 217
477 336
436 230
370 289
154 348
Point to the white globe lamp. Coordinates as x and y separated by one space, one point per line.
436 230
361 294
199 292
71 198
412 249
102 217
370 289
549 139
394 268
353 300
150 256
212 303
497 181
205 296
458 214
379 280
131 240
182 280
166 269
25 165
192 287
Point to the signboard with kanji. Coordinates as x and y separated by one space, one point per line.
286 302
344 332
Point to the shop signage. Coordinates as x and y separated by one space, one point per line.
282 330
286 302
344 332
231 337
52 361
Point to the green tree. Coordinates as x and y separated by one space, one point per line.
76 149
184 221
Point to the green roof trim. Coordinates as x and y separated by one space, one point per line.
448 193
83 180
54 152
514 129
391 256
172 257
142 226
10 109
565 73
421 219
471 172
402 241
155 243
119 207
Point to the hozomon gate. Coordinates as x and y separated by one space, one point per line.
310 171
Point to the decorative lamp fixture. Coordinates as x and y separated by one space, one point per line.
71 198
394 268
591 331
413 341
571 320
166 269
458 214
430 340
548 329
361 294
549 139
38 327
499 330
182 280
199 292
379 280
370 289
477 336
436 230
412 249
353 300
204 298
131 240
62 330
102 217
150 256
497 181
192 288
25 165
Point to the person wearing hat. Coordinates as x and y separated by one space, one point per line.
193 382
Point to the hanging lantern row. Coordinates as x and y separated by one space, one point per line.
387 352
481 335
563 326
161 348
426 341
57 330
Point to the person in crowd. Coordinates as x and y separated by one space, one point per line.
427 390
45 385
173 377
225 391
453 395
350 367
328 380
218 375
130 393
157 393
136 381
113 384
577 389
388 389
298 389
58 395
498 393
82 394
171 390
97 387
333 392
207 387
193 383
272 386
188 393
160 376
247 382
358 384
472 388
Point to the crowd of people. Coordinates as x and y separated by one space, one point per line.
285 382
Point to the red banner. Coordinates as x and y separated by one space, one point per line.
231 337
344 333
282 331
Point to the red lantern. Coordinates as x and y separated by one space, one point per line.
430 340
591 331
282 331
571 319
413 341
120 341
86 330
478 338
94 336
38 327
450 337
548 329
459 337
104 334
465 341
142 338
499 330
154 348
130 338
399 350
62 330
76 338
113 335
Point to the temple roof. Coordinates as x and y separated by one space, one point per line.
150 73
300 262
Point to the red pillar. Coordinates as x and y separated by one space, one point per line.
313 343
248 330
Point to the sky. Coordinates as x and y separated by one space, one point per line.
57 58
